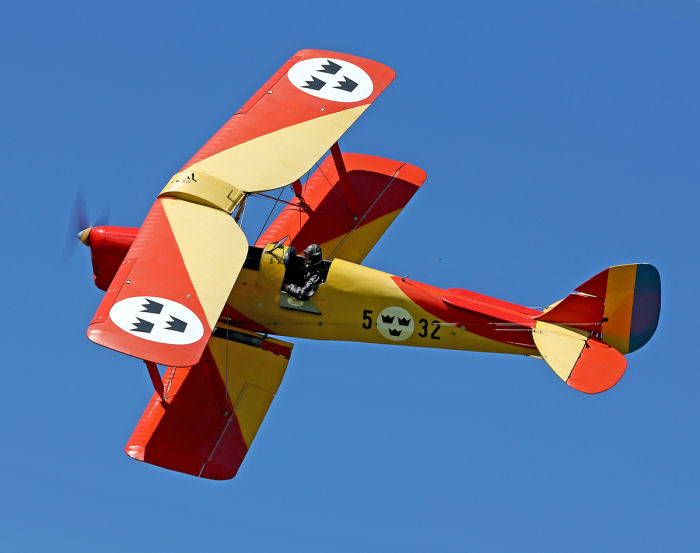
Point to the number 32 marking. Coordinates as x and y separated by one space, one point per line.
424 329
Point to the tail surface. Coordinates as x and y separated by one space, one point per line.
584 336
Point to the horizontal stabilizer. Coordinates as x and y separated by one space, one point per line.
584 363
481 305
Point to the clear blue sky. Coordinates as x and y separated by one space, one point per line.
558 137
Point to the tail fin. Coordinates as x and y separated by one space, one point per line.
583 336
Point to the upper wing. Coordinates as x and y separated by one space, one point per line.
168 293
291 121
165 299
380 188
213 410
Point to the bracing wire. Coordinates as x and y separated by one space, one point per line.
279 199
264 225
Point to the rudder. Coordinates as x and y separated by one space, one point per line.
632 296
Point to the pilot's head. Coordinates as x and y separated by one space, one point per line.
312 254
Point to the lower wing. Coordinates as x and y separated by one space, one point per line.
210 412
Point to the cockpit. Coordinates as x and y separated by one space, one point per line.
302 274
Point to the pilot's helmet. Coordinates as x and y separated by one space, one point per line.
312 254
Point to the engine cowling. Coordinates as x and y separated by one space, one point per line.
108 247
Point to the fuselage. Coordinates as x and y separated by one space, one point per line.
360 304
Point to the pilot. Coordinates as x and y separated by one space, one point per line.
314 274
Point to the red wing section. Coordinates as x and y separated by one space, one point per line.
380 187
292 120
213 410
170 289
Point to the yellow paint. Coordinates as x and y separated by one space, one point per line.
350 292
213 248
619 299
355 245
278 158
271 265
560 346
203 189
252 377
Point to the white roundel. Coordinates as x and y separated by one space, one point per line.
331 79
157 319
395 323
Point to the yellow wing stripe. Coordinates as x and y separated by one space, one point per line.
213 248
355 245
278 158
252 377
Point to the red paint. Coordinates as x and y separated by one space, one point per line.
325 215
598 368
232 317
596 286
484 305
345 185
153 267
279 104
195 431
108 247
577 310
477 313
155 378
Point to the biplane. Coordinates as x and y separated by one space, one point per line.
187 291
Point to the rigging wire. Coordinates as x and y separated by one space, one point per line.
278 199
264 225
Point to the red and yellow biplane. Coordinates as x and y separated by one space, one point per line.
187 291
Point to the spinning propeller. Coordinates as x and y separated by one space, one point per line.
81 224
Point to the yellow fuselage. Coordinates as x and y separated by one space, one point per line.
356 304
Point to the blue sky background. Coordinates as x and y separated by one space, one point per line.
558 137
